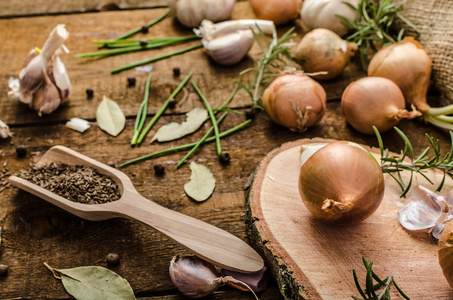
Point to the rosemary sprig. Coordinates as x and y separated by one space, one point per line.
275 53
375 26
369 293
408 162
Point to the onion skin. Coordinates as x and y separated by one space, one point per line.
374 101
278 11
322 50
295 101
408 65
341 183
445 252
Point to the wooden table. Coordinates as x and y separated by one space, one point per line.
34 232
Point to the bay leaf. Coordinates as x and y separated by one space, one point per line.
195 118
95 283
201 184
110 117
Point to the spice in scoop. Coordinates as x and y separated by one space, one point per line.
76 183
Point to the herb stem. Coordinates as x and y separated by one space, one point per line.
212 117
136 30
201 141
142 111
186 146
162 109
156 58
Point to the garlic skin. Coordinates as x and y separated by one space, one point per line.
4 130
321 14
408 65
193 277
322 50
427 211
445 252
341 183
228 42
278 11
190 13
295 101
44 82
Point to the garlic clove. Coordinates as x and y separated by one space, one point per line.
78 124
230 48
61 77
4 130
427 210
208 30
32 76
47 98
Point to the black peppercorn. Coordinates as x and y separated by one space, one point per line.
89 92
145 29
131 81
159 169
111 164
225 157
172 103
21 150
3 270
176 71
143 43
112 259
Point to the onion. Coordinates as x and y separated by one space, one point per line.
341 183
374 101
324 50
445 252
407 64
279 11
295 101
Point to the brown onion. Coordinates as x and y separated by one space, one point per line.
374 101
408 65
278 11
445 252
322 50
341 183
295 101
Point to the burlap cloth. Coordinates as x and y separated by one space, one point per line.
434 19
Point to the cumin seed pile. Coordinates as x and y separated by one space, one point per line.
76 183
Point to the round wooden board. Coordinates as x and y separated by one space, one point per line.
313 260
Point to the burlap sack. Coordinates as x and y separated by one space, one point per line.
434 19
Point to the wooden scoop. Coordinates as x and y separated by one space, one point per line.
206 241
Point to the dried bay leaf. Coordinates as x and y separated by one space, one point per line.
195 118
110 117
201 184
93 283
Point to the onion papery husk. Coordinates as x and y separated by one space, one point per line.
374 102
445 252
295 100
408 65
322 50
341 183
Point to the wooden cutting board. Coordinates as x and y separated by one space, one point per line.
314 260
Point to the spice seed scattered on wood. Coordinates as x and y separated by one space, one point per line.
112 259
3 270
225 157
145 29
21 150
172 103
176 71
89 92
131 81
159 169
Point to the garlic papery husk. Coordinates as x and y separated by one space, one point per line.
278 11
426 211
208 30
190 13
322 50
341 183
61 77
408 65
445 252
4 130
322 14
230 48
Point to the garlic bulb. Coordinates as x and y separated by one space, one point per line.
445 252
228 42
191 12
44 83
4 130
322 14
322 50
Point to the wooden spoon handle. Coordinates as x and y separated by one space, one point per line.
207 241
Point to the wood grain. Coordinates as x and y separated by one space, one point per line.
314 260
